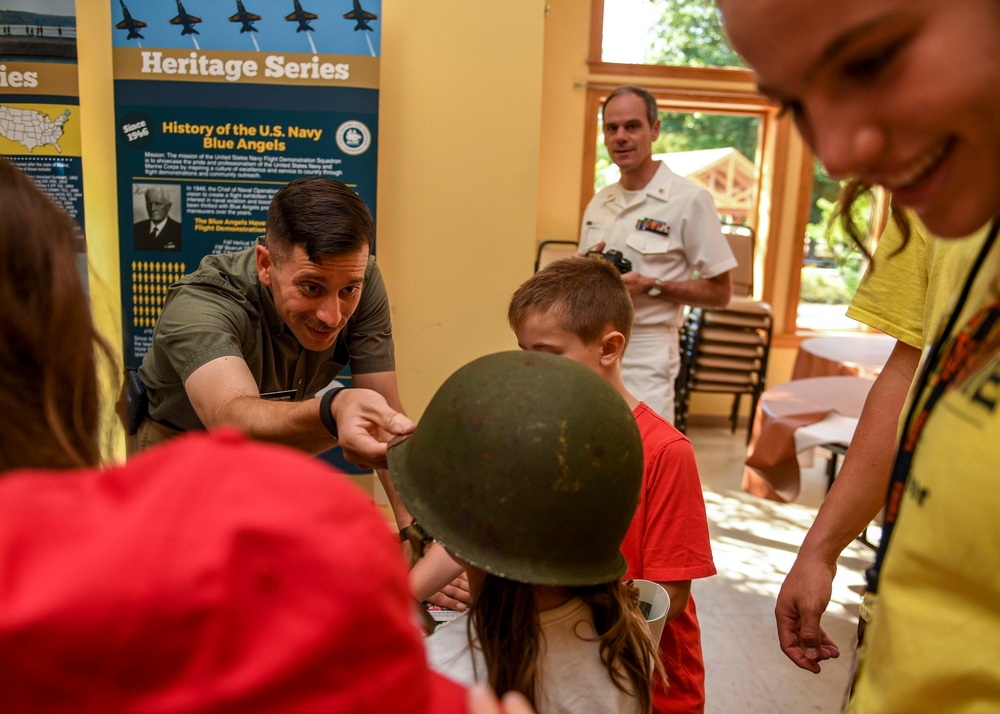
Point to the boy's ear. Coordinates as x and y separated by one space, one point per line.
612 347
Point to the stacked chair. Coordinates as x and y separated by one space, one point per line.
725 351
552 250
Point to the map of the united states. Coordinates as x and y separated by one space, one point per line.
31 128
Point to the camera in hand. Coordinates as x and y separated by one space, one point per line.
614 257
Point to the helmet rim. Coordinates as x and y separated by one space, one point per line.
528 466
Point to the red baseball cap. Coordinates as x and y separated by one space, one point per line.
210 574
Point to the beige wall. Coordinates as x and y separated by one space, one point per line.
97 140
481 136
459 133
564 80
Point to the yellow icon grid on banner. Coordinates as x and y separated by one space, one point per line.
150 280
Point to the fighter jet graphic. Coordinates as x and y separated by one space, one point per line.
302 17
361 16
189 21
130 23
247 18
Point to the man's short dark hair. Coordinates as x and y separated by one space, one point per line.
652 111
323 216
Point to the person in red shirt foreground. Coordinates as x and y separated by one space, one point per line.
212 574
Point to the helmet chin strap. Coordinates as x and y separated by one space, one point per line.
418 539
527 464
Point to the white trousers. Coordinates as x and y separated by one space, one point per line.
650 366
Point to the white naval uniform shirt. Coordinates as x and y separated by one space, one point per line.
681 237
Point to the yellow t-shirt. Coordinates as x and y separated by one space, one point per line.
911 286
934 642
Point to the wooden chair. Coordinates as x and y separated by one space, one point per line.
742 241
552 250
724 352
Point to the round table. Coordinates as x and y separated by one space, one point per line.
796 416
847 355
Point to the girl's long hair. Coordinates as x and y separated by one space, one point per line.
506 623
49 393
852 191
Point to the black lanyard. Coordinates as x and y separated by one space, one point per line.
954 362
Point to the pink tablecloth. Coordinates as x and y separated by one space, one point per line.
772 469
842 355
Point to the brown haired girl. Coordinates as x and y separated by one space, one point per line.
48 347
527 467
903 94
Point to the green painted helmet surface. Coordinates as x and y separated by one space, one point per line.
527 465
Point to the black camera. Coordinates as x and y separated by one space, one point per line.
614 257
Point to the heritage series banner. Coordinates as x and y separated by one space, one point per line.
40 100
219 104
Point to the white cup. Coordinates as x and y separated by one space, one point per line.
655 597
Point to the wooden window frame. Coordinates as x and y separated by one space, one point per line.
877 224
718 90
770 161
597 64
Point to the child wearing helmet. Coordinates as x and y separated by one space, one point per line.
527 469
581 309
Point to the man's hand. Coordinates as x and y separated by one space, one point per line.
637 283
803 598
482 700
455 595
365 425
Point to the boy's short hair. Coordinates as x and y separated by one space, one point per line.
586 295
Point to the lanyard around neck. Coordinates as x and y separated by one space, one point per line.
953 356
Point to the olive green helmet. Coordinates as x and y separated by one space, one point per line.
527 465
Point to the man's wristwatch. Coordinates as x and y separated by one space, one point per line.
325 415
656 289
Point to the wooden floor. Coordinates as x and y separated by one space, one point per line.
754 543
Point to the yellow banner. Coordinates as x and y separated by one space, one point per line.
286 68
52 78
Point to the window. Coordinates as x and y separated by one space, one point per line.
721 144
832 265
716 151
720 132
680 33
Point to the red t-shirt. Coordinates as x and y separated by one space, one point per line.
667 541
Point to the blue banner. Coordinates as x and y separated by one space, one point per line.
217 106
40 102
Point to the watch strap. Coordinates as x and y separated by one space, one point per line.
325 415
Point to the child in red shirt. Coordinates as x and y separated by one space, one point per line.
580 308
